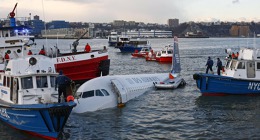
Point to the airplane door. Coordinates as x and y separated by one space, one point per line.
250 69
120 91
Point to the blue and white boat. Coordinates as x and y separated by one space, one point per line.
28 99
133 45
115 40
241 76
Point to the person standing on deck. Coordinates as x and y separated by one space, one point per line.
62 82
219 65
87 48
209 65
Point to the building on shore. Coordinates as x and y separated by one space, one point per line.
66 33
148 34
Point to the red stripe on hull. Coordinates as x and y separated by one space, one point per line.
33 133
164 59
81 70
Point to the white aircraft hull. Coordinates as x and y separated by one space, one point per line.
121 88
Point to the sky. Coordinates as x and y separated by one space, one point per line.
147 11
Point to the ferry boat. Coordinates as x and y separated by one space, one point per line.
133 45
241 76
113 39
28 99
77 65
163 56
144 51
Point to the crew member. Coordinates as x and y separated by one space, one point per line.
87 48
42 52
29 53
219 65
209 65
7 56
62 82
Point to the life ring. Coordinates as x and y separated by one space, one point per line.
70 98
32 61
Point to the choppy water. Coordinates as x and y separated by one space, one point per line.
167 114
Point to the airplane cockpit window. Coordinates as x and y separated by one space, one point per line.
99 93
88 94
105 92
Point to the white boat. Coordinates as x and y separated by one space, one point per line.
111 91
28 99
173 81
77 65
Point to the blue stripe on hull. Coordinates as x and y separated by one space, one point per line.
129 49
217 85
47 121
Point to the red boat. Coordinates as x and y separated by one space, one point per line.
163 56
83 66
144 51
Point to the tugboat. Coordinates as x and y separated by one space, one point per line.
240 76
77 65
28 99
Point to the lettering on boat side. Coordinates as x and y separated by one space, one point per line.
65 59
4 113
3 91
142 80
254 86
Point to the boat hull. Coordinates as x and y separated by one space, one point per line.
83 67
215 85
42 120
164 59
129 49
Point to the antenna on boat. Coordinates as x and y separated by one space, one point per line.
44 24
254 41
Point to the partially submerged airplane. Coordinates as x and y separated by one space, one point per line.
111 91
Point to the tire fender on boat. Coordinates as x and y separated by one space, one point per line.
196 76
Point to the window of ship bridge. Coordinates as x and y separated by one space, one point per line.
27 83
41 81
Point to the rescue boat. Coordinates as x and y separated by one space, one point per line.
240 76
28 99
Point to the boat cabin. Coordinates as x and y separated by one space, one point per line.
246 66
29 80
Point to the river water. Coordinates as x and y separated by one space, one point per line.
165 114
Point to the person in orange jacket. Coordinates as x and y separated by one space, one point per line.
87 48
42 52
29 53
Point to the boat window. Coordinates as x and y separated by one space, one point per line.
27 83
233 64
8 81
105 92
169 52
4 81
41 81
99 93
228 62
241 65
53 78
88 94
163 51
